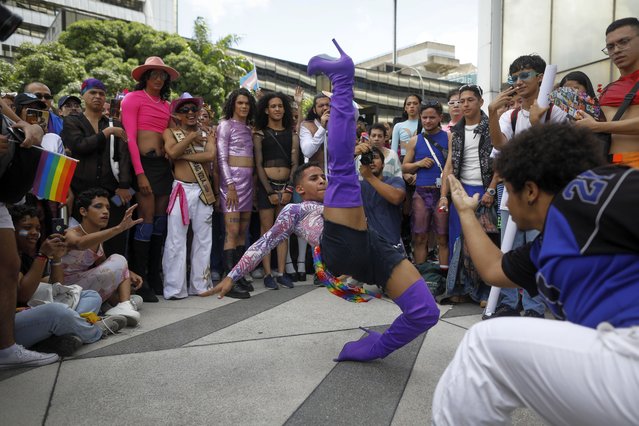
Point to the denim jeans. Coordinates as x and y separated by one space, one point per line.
55 319
510 296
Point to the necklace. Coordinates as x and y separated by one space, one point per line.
151 97
85 232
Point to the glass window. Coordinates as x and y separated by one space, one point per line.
526 30
578 31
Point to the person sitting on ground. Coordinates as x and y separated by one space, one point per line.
585 264
52 327
339 227
85 263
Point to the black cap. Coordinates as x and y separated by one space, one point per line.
63 100
29 99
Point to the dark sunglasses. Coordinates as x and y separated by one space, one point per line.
186 110
43 96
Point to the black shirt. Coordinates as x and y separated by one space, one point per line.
93 151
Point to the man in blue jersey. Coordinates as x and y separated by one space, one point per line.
426 155
585 264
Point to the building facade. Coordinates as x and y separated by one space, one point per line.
45 20
380 93
566 33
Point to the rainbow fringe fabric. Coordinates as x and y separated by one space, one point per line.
353 294
53 178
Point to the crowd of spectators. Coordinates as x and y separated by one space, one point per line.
165 200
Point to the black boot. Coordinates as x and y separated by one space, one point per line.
138 264
238 253
239 290
155 264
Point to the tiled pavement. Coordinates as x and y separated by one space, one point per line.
266 360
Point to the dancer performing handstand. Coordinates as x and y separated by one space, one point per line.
347 245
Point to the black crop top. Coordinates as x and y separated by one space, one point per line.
279 155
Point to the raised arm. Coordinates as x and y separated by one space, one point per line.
484 253
311 142
78 241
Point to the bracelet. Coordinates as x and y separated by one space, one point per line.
58 263
43 256
443 197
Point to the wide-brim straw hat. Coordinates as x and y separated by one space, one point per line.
154 63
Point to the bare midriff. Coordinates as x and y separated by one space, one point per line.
238 161
150 141
183 172
623 143
277 173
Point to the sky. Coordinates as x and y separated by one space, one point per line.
295 30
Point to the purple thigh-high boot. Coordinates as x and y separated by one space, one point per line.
343 184
419 313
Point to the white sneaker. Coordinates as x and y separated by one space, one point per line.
127 310
248 278
21 357
111 324
137 301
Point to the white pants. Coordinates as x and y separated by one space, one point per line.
568 374
174 258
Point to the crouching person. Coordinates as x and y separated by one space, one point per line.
53 323
191 202
85 263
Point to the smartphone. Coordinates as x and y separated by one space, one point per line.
117 200
114 108
37 116
58 226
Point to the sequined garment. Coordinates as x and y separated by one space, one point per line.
234 139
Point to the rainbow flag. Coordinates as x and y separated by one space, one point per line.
53 178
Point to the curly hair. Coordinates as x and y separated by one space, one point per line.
550 155
85 198
534 62
229 105
20 211
311 114
261 118
165 91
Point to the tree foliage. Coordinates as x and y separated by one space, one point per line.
109 50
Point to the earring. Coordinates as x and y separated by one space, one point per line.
531 202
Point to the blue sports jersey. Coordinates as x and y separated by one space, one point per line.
586 262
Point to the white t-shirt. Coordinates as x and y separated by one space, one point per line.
557 115
471 169
53 143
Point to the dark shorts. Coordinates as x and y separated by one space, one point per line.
364 255
158 171
262 197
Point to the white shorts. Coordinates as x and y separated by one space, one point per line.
5 218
